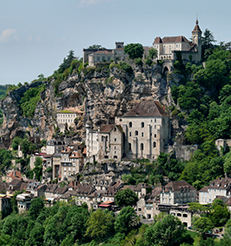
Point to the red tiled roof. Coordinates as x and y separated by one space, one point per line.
157 40
103 52
177 39
15 174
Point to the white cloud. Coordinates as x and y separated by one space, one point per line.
8 35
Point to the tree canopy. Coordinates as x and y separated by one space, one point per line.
134 50
126 197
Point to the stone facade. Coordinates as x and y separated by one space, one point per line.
177 192
105 143
218 187
168 47
147 130
94 56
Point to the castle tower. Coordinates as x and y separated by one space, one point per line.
196 38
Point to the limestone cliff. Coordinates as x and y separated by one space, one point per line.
100 94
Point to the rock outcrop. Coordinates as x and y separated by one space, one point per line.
97 94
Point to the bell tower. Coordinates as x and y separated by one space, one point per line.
196 38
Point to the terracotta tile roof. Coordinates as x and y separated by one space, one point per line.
66 150
15 175
75 155
204 189
61 190
106 128
149 108
103 52
51 188
157 40
178 185
177 39
147 48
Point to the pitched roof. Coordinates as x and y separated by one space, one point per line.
108 128
15 175
220 183
157 40
149 108
197 28
204 189
177 39
178 185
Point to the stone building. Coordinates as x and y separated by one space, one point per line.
23 202
168 47
147 130
94 56
178 192
105 143
67 118
218 187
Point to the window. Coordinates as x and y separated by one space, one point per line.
130 146
136 133
154 126
115 139
115 147
130 134
154 144
155 120
142 134
130 124
115 129
154 135
114 152
141 146
142 124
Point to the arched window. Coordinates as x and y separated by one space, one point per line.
154 144
141 146
130 134
154 135
136 133
142 134
142 124
130 124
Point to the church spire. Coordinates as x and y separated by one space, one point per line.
197 28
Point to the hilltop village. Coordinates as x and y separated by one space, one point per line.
110 123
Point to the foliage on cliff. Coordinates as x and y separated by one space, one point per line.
30 99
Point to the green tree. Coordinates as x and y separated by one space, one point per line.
99 225
207 41
166 232
37 205
203 225
134 50
126 197
152 53
126 220
36 236
38 168
16 141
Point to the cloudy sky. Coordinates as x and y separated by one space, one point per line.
35 35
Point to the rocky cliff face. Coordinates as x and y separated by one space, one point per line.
100 95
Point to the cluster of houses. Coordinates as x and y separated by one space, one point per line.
172 198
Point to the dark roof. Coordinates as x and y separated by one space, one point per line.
220 183
178 185
149 108
197 28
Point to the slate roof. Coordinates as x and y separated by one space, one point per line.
178 185
220 183
204 189
149 108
